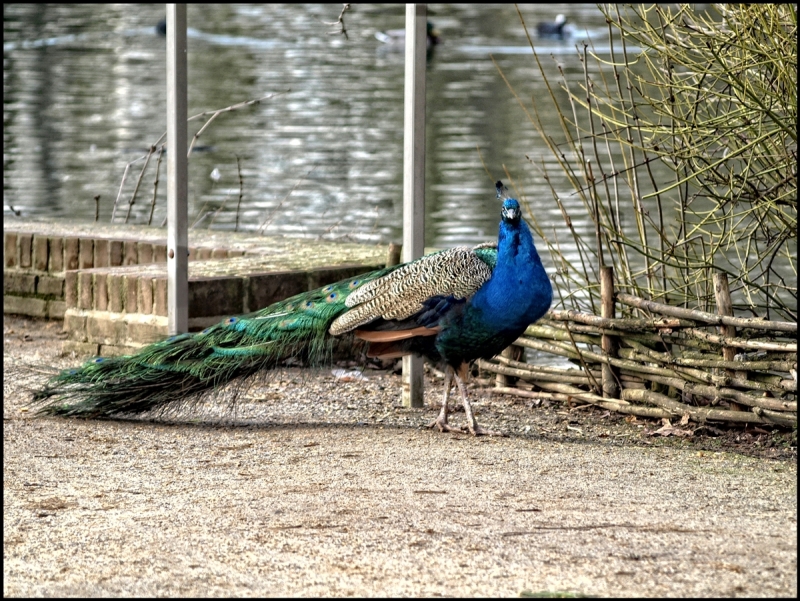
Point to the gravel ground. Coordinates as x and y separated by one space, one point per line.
315 486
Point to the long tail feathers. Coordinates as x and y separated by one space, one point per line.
184 367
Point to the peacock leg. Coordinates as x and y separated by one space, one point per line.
472 424
441 421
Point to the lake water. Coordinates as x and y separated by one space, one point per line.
84 95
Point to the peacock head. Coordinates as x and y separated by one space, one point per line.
510 212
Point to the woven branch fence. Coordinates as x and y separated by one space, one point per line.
665 362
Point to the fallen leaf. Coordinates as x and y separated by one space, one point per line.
670 430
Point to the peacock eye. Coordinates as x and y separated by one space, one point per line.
327 288
233 320
309 304
99 360
206 331
332 296
354 283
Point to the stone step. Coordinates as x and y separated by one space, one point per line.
44 247
109 282
38 254
216 288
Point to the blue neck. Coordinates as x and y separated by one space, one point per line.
519 291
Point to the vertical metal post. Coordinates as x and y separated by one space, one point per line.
177 177
414 171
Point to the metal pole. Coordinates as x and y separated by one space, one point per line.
414 171
177 177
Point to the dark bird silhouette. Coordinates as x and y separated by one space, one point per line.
161 27
552 29
452 307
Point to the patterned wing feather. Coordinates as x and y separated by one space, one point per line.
457 272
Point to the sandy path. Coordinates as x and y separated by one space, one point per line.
347 502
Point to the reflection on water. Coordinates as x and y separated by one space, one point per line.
84 94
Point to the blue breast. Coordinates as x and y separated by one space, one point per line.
518 293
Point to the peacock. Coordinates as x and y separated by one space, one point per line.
451 307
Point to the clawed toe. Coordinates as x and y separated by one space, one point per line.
477 430
445 427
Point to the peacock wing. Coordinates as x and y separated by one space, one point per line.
457 272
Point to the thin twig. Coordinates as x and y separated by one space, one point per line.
340 21
268 219
227 109
139 182
122 185
155 184
241 191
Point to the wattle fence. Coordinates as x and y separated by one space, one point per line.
663 361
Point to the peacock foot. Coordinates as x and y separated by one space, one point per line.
443 426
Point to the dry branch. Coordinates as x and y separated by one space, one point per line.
611 405
710 378
634 325
784 347
530 373
716 393
704 316
701 414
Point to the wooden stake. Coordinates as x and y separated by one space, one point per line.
514 353
608 343
722 294
393 254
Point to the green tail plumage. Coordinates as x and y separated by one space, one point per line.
183 366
